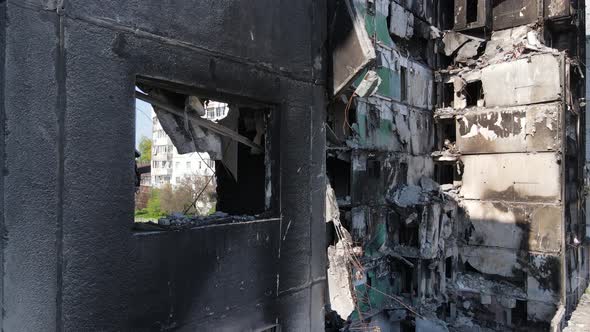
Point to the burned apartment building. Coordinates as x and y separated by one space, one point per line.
391 165
456 165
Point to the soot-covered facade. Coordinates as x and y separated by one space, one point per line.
72 259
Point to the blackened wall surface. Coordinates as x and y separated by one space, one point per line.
2 124
30 192
71 260
231 271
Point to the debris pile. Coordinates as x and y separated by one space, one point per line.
178 221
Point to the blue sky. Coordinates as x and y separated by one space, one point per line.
143 120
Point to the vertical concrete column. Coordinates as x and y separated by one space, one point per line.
32 174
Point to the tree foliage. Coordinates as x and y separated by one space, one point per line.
194 194
153 205
145 148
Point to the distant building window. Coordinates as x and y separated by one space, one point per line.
219 111
200 165
177 165
188 164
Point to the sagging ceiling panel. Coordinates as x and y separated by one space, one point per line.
352 49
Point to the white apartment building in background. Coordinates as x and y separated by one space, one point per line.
170 167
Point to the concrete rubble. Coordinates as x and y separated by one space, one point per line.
179 221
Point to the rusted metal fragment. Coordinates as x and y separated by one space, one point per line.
525 81
530 227
512 129
352 49
516 177
511 13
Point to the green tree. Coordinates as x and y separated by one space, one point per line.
153 205
145 148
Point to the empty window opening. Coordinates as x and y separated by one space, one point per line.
171 184
445 173
373 167
408 325
519 313
470 269
446 134
448 14
200 161
448 95
409 234
473 93
339 175
403 81
449 267
404 280
402 175
472 11
246 195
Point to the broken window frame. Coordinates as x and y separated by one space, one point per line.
270 146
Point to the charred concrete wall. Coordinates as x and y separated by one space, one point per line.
511 186
70 258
